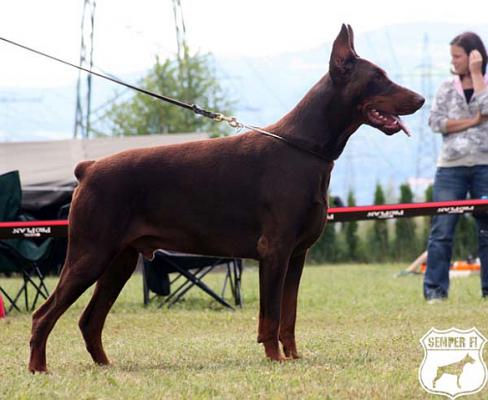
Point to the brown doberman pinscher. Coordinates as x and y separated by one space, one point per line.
248 196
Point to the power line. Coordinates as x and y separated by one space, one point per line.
20 99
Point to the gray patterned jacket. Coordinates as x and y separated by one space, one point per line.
466 148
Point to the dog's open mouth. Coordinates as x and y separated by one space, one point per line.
386 122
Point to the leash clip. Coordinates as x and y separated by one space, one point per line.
231 121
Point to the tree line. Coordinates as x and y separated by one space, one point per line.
399 240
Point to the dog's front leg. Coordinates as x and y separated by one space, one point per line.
289 305
272 271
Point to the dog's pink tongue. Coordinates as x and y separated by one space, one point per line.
402 126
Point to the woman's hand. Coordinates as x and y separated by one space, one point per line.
475 62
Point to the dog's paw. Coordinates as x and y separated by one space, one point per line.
279 358
38 370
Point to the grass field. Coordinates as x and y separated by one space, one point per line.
358 331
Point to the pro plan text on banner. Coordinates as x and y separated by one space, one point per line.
453 363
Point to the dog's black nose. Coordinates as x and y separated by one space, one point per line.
419 101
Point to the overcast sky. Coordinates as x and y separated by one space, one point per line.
129 33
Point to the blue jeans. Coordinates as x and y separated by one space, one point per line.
454 184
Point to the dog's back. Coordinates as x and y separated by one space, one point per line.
160 189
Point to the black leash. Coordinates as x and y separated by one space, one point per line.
218 117
193 107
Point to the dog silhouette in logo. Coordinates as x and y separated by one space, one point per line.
456 368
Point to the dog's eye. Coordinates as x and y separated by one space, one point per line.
378 76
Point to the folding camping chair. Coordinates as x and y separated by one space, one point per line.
22 255
188 271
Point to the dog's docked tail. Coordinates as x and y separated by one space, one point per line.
81 169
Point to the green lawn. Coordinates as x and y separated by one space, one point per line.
358 330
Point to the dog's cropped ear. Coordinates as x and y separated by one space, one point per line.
343 55
351 39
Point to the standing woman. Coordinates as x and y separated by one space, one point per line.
460 114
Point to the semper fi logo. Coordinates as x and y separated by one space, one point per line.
453 364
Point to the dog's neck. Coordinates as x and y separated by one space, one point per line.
321 122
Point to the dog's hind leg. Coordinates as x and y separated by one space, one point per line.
107 290
272 271
289 305
79 272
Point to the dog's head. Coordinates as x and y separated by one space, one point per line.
468 359
379 102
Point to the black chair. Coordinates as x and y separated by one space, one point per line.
22 256
187 272
12 261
